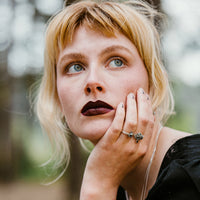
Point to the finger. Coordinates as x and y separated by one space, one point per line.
130 124
115 129
145 114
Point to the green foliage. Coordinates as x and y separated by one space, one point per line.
183 120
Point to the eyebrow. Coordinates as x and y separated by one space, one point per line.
115 48
80 56
72 56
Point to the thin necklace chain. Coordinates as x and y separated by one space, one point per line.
144 188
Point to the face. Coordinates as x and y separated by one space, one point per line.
94 74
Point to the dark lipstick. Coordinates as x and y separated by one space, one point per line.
96 108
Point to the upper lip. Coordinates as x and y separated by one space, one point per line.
95 104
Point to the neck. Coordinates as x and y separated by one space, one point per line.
134 181
140 180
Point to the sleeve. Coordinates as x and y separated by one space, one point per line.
121 194
178 183
179 179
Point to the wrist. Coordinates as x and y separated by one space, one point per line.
98 189
98 193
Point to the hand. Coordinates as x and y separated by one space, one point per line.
116 154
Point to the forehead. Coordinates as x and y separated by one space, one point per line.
89 44
87 38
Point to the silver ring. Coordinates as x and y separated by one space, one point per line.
129 134
138 137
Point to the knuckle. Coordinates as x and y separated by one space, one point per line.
129 150
131 124
144 121
142 150
115 130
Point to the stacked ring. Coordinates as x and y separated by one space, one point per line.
137 136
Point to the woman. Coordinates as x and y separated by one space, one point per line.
105 82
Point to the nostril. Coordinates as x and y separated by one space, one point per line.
99 88
88 90
94 88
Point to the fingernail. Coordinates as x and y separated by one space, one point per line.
141 90
132 95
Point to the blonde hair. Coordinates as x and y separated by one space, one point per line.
134 19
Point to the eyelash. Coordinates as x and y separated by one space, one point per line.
124 62
66 69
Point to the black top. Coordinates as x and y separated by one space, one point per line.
179 175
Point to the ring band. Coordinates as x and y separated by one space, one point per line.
137 136
129 134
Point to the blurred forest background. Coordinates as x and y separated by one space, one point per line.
23 147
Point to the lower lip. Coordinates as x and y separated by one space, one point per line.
96 111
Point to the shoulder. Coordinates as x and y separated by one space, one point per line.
179 175
167 138
170 136
182 149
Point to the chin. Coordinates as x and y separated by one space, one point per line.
93 132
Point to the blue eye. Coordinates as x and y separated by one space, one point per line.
116 63
75 68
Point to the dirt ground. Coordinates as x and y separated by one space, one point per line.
32 191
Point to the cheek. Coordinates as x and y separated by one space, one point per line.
140 80
65 97
69 101
129 85
132 84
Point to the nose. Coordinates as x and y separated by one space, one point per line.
94 84
93 88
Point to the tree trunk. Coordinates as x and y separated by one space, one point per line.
6 171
